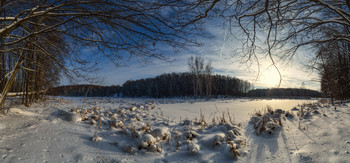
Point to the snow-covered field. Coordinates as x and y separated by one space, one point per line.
174 130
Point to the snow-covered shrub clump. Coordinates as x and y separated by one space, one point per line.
137 129
97 138
193 148
221 136
307 110
161 133
150 143
267 123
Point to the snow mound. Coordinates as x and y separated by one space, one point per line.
22 112
73 117
97 138
193 148
213 139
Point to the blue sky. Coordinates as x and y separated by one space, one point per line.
293 74
220 49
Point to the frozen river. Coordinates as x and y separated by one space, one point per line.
240 108
178 109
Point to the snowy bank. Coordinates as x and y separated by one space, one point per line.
133 130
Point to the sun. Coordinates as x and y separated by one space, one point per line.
269 77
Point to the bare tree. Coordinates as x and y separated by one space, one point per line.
286 25
328 80
196 66
201 74
40 31
278 29
334 70
56 31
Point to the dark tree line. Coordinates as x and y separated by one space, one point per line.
284 92
166 85
80 90
181 84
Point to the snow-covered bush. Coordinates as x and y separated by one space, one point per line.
149 142
95 117
96 138
193 148
190 134
152 132
187 122
129 149
307 110
234 133
114 116
92 122
146 127
289 114
112 125
161 133
267 123
132 108
231 150
121 124
218 139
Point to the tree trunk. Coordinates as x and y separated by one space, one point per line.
9 83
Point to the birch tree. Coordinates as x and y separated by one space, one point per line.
202 74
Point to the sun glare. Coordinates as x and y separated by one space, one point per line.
269 77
